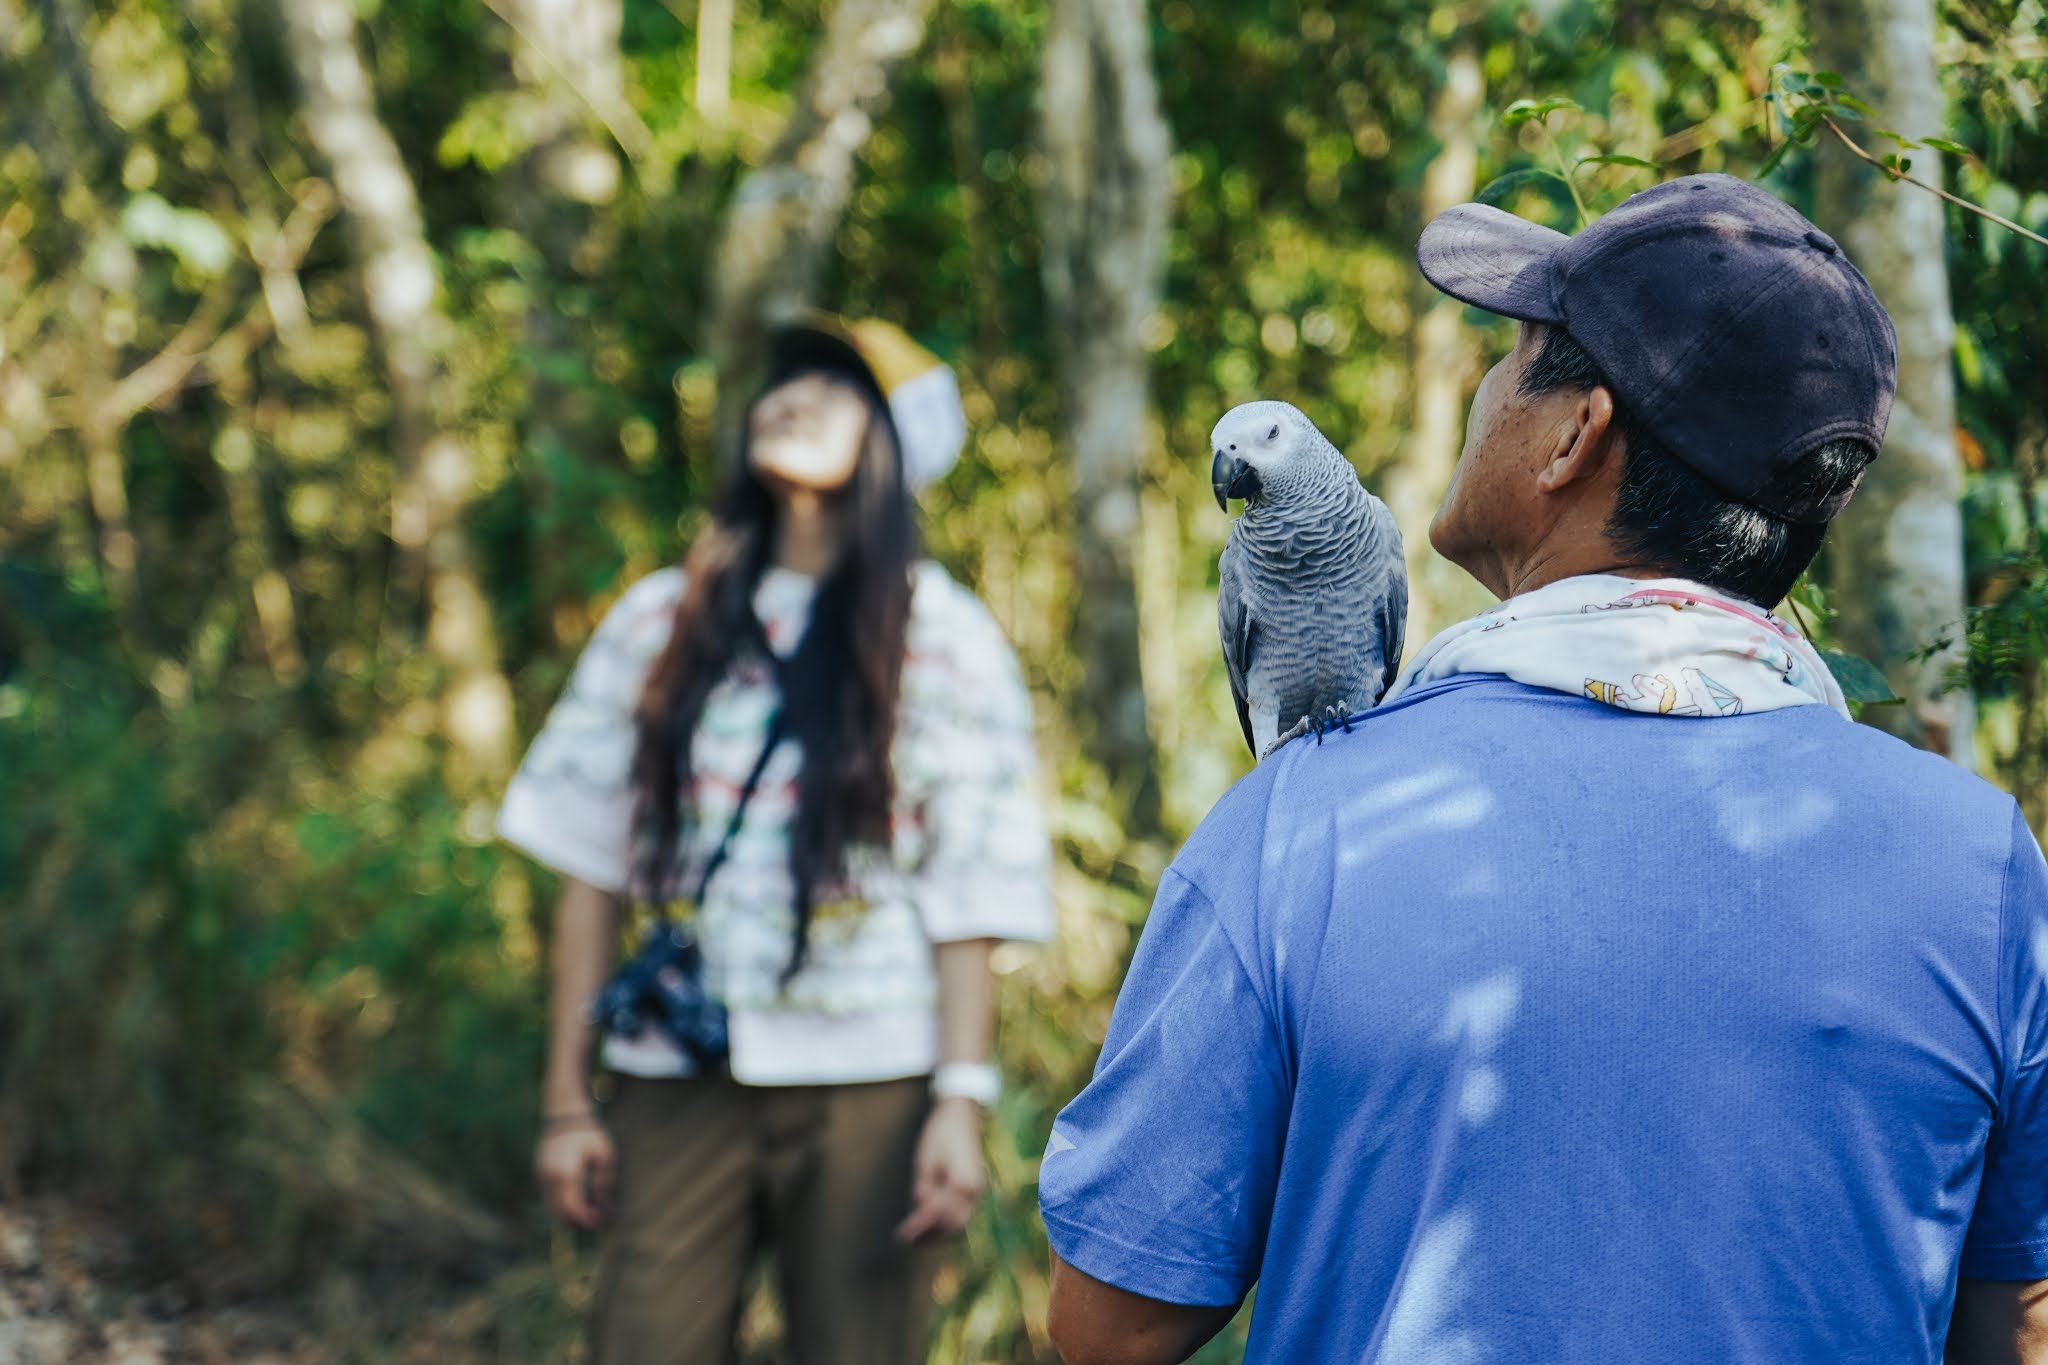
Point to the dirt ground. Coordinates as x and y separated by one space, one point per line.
66 1298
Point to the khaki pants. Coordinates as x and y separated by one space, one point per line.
711 1173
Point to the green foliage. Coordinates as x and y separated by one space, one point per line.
1504 191
126 1016
1810 103
1860 680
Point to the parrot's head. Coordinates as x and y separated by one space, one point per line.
1258 448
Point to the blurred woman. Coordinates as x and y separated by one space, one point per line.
809 751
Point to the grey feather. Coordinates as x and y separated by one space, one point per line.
1313 590
1234 620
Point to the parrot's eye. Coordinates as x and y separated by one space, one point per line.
1274 433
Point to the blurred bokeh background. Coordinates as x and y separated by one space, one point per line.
355 353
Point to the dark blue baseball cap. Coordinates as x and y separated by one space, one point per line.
1727 325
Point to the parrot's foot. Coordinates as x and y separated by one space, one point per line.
1333 717
1338 716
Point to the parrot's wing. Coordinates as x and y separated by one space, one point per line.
1393 600
1393 624
1240 636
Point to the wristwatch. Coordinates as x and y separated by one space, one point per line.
977 1081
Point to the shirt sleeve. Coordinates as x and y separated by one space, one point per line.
2008 1236
1159 1177
570 804
971 822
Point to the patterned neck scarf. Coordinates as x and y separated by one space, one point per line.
1661 646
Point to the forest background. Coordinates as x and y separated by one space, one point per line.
354 354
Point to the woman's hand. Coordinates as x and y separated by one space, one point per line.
575 1165
949 1174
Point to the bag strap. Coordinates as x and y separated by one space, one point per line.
757 635
739 811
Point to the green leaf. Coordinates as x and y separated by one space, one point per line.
1771 162
1616 159
1852 102
1899 138
1859 679
1829 79
1803 124
1521 111
1499 190
1942 144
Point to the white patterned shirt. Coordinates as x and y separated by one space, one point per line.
969 859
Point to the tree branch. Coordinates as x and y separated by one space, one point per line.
164 373
784 214
618 117
1936 190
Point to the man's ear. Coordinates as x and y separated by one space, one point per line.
1584 446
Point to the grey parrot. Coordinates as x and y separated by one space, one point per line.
1314 591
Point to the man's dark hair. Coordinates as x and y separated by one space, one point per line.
1672 519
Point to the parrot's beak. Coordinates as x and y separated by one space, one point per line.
1232 478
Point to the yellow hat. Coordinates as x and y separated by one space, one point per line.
919 389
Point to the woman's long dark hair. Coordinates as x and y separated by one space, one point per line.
839 689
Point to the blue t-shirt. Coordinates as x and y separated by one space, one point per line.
1511 1027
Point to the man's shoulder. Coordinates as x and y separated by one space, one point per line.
1383 743
1457 743
1869 747
1470 713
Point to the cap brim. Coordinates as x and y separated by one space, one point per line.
812 345
1492 260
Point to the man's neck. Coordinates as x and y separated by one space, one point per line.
1543 568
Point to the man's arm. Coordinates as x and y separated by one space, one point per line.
1160 1191
1093 1323
1996 1322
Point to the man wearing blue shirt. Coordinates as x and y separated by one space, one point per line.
1605 995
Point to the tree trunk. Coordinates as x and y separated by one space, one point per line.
435 475
106 475
991 326
1441 363
566 56
1103 212
566 60
786 212
1897 552
714 59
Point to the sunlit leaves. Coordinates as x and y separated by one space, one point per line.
200 244
1502 189
1559 182
1942 144
1522 111
1616 159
